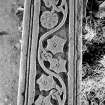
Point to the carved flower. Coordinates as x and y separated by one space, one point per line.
56 44
46 82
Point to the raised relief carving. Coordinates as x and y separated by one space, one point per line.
51 63
46 56
51 99
55 64
46 82
55 44
56 96
48 19
49 3
58 65
39 101
42 64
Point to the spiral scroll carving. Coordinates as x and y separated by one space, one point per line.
48 57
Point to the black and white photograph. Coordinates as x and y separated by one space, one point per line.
52 52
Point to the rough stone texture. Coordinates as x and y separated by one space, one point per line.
9 51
